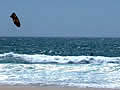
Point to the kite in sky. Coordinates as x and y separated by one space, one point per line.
15 19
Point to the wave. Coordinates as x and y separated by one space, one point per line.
47 59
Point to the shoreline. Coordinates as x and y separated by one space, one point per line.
50 88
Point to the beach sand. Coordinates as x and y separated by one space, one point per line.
49 88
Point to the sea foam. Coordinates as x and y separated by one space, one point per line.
47 59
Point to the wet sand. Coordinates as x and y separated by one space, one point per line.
49 88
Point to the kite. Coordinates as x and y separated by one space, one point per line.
15 19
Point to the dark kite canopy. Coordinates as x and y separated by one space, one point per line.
15 19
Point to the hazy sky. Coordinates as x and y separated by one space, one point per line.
81 18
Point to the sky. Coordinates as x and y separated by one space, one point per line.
61 18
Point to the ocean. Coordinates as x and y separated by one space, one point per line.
60 61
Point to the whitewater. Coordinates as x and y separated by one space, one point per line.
47 70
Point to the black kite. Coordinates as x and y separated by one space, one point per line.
15 19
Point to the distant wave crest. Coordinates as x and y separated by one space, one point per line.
47 59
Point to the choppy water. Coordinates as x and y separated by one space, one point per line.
81 62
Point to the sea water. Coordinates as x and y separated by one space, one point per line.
74 62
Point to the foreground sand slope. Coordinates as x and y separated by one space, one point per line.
49 88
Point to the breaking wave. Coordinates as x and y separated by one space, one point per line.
47 59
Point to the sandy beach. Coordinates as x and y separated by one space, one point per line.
49 88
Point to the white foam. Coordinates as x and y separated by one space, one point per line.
40 58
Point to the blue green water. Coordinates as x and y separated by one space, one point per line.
61 46
81 62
